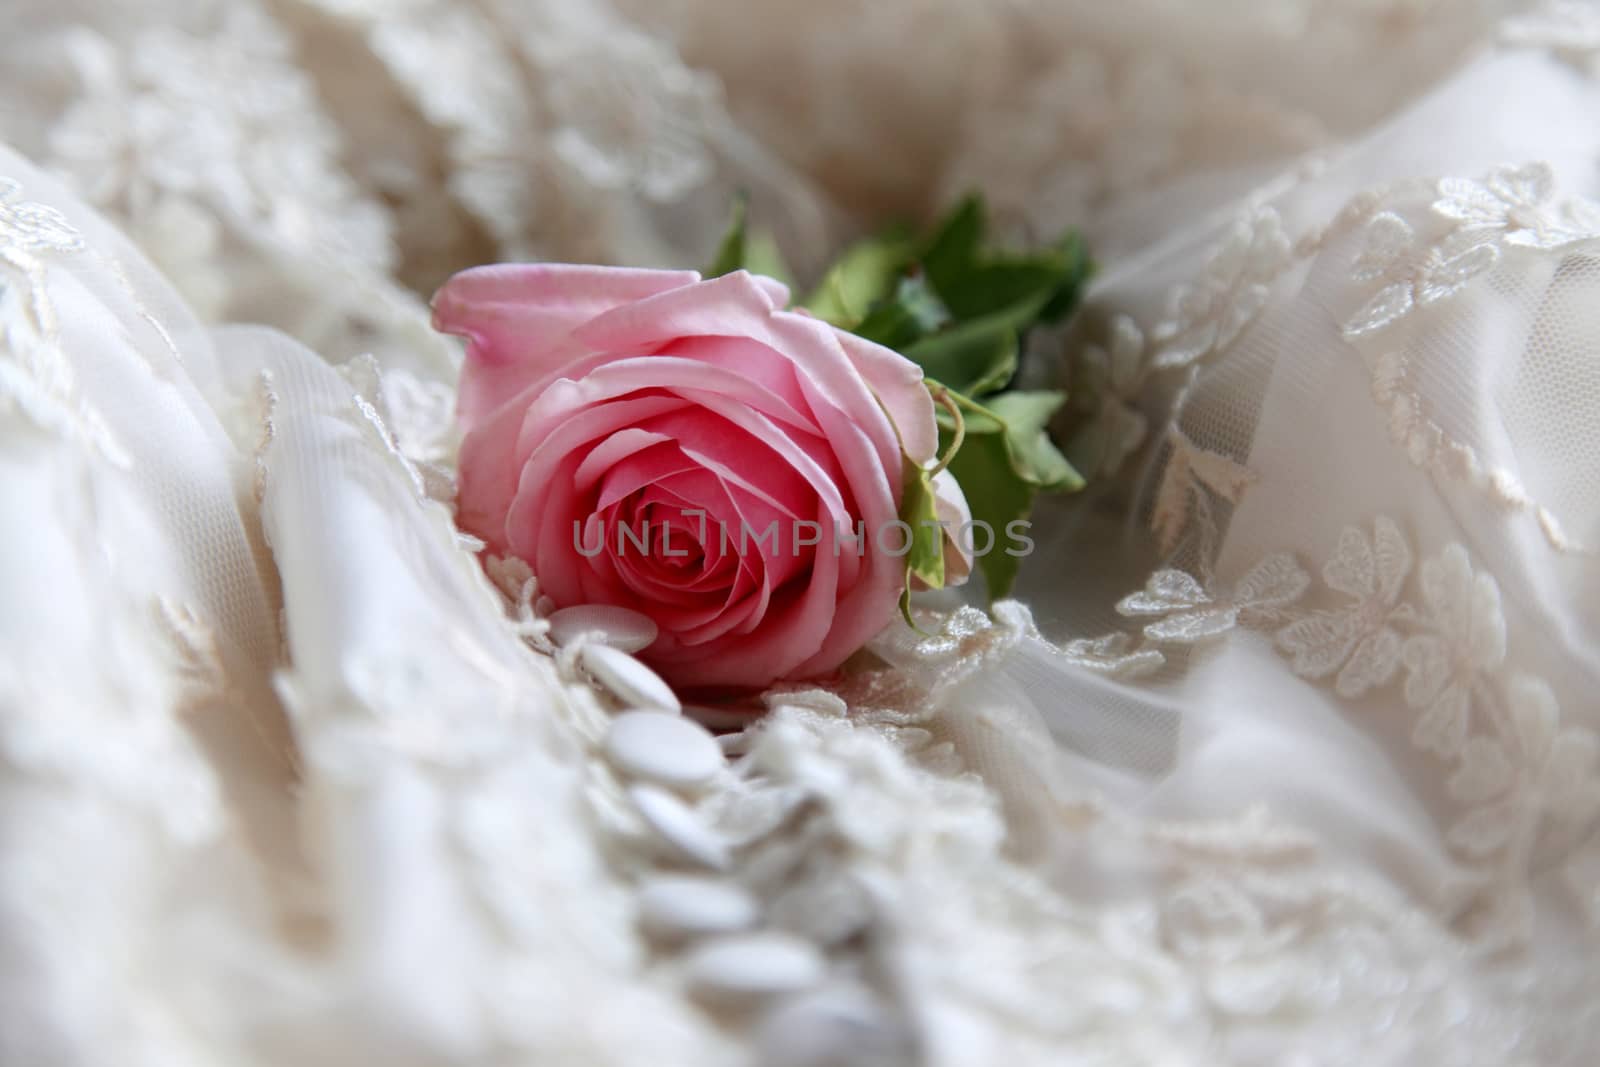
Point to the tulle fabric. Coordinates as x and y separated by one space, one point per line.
1285 753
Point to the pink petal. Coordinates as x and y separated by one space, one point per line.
539 516
776 291
613 450
791 637
722 567
829 379
489 470
741 459
517 317
897 382
791 456
633 472
692 378
735 305
769 369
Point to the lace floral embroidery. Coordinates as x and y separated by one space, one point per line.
1108 379
27 227
1511 206
1192 477
1115 655
1464 644
28 230
35 378
219 127
1357 640
1188 613
1411 271
1429 447
1519 771
1208 314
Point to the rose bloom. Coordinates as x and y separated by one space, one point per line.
598 398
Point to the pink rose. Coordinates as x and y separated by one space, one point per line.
623 428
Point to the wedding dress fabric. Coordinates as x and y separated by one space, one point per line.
1286 753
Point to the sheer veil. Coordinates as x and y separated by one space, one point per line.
1285 751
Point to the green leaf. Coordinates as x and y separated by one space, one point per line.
867 273
975 282
972 358
742 249
1005 461
1026 416
913 312
762 256
1020 286
919 510
995 495
1074 251
950 253
905 603
731 249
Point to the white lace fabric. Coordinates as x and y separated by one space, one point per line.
1287 755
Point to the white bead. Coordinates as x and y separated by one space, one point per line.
829 1028
685 906
665 749
620 628
630 680
747 965
679 826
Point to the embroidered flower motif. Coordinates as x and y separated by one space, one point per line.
421 413
1484 773
1357 641
27 227
1192 614
1109 378
1209 314
1564 758
1113 655
1558 766
225 123
1190 473
1413 273
1466 640
1513 204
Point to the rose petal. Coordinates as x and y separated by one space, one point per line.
793 633
833 382
700 490
776 291
725 448
692 379
620 447
489 469
733 305
538 521
720 569
865 607
749 359
736 305
515 317
898 384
